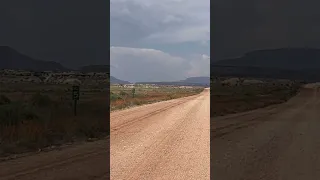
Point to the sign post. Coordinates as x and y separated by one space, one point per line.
133 92
75 97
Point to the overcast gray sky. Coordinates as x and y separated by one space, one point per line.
159 40
72 32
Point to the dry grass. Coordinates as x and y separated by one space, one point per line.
122 97
37 116
235 99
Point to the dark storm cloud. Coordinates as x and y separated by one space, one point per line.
242 26
73 32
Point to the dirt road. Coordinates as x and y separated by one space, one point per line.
80 162
166 140
281 142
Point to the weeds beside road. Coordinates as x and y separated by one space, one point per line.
235 99
121 97
38 116
35 116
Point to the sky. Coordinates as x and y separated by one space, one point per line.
247 25
154 40
72 32
173 35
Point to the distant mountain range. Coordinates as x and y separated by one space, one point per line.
95 68
12 59
286 58
192 81
201 80
287 63
114 80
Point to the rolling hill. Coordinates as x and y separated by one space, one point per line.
114 80
286 58
12 59
290 63
199 80
192 81
95 68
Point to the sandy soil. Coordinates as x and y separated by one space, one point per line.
80 162
166 140
280 142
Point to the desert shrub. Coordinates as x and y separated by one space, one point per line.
138 102
114 97
15 113
10 114
170 96
41 100
4 100
122 93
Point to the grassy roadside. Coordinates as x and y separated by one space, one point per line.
234 99
121 98
40 116
37 116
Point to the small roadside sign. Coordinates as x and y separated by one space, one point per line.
75 92
75 97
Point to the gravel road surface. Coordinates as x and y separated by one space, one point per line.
166 140
79 162
280 142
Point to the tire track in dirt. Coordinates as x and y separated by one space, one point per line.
136 149
152 113
155 148
25 172
252 148
125 112
276 147
33 170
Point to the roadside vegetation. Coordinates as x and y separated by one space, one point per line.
227 99
39 116
124 97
